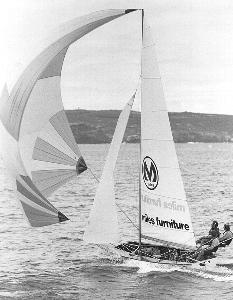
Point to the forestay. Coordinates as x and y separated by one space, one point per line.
103 224
42 150
165 213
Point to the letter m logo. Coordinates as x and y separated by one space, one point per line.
150 173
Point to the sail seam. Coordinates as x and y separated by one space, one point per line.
64 132
53 172
47 160
39 207
64 158
48 186
30 187
51 187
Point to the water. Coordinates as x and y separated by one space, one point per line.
53 262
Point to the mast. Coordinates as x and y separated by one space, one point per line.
139 203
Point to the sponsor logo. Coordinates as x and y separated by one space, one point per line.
160 202
167 224
150 173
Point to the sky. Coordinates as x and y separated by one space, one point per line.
194 41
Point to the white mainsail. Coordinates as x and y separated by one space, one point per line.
165 214
103 223
44 152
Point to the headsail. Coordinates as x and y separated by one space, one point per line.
34 118
103 225
165 213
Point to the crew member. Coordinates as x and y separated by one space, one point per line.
213 232
207 250
226 237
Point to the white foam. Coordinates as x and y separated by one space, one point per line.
146 267
218 274
211 271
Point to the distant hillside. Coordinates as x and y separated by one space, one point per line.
93 127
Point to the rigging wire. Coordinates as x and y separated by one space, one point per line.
127 216
97 179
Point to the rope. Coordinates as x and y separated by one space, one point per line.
96 178
127 216
116 203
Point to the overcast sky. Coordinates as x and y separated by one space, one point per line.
194 41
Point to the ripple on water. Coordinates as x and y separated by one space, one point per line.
54 263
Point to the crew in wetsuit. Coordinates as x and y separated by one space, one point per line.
207 250
227 236
213 232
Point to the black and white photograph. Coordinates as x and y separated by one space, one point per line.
116 149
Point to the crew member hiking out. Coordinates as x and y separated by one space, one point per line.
213 232
207 250
227 236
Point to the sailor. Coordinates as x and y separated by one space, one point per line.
227 236
207 250
213 232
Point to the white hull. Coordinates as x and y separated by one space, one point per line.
123 254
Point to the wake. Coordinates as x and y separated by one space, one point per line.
216 270
211 271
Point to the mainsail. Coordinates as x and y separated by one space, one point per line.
165 214
103 224
44 152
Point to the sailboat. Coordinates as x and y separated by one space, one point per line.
165 231
42 155
164 217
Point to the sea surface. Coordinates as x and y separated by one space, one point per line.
54 263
